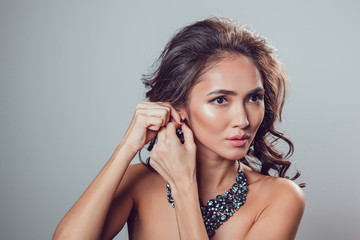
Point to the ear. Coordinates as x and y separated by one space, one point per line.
183 113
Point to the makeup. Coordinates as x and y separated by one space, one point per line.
238 140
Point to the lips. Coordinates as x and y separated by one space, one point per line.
238 140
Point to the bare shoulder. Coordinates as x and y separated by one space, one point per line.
284 191
283 198
278 200
275 188
139 177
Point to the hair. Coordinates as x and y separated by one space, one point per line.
193 50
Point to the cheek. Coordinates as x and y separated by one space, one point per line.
205 121
256 117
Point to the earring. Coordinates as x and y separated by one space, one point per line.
180 135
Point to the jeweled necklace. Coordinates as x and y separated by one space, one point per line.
220 209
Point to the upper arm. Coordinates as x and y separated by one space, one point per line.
281 218
122 204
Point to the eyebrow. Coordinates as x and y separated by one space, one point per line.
229 92
222 91
256 90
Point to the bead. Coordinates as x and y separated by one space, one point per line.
223 206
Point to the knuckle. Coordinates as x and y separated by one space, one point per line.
156 128
138 106
140 117
141 105
163 119
164 111
159 120
165 104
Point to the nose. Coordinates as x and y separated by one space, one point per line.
240 117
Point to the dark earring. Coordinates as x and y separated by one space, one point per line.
180 135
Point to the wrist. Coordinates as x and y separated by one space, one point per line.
184 188
127 148
125 152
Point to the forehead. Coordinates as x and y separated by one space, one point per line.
236 73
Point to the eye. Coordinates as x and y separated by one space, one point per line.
256 98
219 100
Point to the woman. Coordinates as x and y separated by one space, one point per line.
213 103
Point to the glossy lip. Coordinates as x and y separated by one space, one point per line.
238 140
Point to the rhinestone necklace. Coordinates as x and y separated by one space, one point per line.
219 209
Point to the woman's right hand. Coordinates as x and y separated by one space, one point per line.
106 204
148 118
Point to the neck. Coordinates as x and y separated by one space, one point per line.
214 174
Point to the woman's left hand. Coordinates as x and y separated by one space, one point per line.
175 161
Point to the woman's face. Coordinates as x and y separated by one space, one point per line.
226 108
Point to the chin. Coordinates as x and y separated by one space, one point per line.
234 155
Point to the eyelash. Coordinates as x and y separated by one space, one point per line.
222 98
259 97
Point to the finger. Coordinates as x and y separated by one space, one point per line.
175 115
147 104
167 111
162 113
173 112
171 131
152 123
162 135
159 112
188 134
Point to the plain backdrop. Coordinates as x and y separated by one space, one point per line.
70 78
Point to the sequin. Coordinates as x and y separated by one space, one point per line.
221 208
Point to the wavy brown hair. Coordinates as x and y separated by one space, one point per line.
193 50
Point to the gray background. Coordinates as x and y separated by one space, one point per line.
70 79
